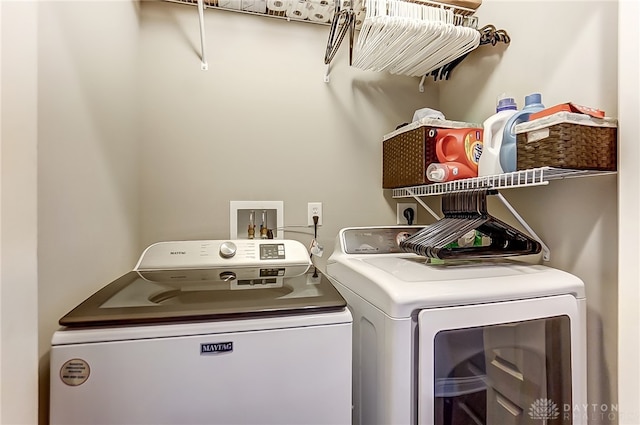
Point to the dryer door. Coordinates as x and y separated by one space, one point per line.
519 362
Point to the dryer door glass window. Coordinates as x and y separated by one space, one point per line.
510 373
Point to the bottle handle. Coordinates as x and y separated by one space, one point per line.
510 127
440 151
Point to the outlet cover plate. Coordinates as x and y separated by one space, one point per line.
400 207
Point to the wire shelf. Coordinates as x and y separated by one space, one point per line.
523 178
285 7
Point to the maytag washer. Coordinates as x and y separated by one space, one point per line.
207 332
493 342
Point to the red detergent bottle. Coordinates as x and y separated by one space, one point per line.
460 145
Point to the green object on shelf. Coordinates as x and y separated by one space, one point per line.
470 239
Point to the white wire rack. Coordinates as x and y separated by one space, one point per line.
523 178
283 8
313 11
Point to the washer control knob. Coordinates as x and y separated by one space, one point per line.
228 249
227 276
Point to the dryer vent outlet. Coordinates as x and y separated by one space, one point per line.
406 211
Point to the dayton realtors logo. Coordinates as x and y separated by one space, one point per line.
544 409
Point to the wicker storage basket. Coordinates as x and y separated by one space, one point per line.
408 151
567 140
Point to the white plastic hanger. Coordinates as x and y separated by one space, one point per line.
410 39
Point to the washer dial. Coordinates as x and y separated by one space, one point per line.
228 249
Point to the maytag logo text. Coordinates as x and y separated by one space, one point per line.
216 348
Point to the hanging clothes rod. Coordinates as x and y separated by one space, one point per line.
290 10
456 9
279 8
315 11
408 37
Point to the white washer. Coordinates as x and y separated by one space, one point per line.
207 332
468 342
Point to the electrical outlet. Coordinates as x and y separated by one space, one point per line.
313 280
400 207
314 208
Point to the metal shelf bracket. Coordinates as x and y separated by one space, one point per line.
546 253
203 66
425 206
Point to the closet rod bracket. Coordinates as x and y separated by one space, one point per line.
203 66
327 72
421 85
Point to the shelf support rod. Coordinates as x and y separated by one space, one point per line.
421 202
204 66
421 85
546 253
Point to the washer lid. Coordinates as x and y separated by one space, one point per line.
204 294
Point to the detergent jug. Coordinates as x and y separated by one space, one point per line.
460 145
508 151
493 131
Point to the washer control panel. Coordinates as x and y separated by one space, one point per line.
223 253
272 251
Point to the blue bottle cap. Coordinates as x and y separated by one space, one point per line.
532 99
506 103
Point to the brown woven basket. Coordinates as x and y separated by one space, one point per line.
405 158
569 145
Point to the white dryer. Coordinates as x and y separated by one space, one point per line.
207 332
467 342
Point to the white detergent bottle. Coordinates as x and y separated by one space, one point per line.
508 150
489 163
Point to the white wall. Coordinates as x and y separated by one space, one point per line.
565 50
264 92
88 218
629 212
260 124
18 214
112 112
258 98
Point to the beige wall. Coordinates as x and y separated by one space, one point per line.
629 212
565 50
88 229
266 111
18 214
137 144
260 124
197 161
